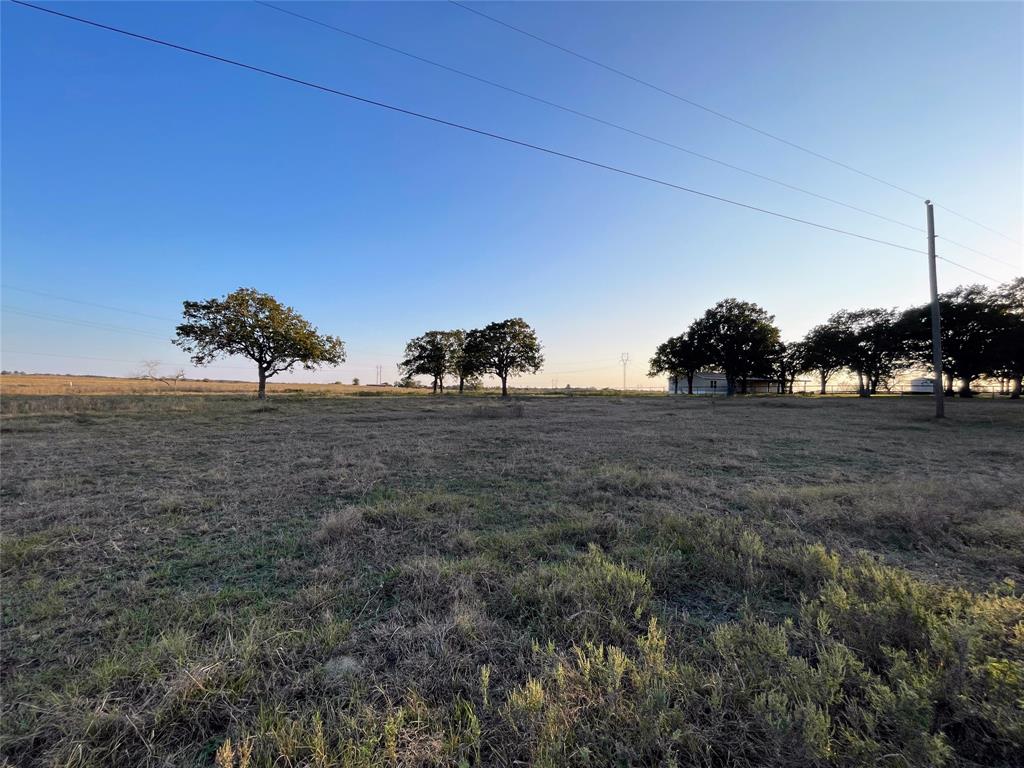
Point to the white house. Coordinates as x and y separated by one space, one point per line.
714 383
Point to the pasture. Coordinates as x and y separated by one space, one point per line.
414 581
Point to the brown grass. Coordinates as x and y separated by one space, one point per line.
75 386
598 581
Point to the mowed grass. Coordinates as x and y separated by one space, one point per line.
559 582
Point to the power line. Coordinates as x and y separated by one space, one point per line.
86 303
969 269
587 116
463 127
716 113
973 250
78 321
119 360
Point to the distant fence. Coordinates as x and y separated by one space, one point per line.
835 390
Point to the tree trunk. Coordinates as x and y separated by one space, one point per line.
504 386
730 386
863 385
261 394
441 383
824 381
1015 394
949 385
689 384
462 383
675 385
965 388
435 386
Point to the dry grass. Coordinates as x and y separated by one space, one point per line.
79 386
650 581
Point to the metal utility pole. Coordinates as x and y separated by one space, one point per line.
940 400
625 359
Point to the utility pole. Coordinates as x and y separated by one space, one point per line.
625 359
940 401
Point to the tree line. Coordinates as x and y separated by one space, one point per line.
502 349
982 337
255 325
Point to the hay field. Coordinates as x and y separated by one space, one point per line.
72 386
341 581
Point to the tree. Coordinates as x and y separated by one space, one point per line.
822 351
678 357
787 364
257 326
972 319
1009 343
873 345
467 363
505 349
355 381
432 355
738 337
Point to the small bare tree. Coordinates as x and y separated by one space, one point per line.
151 372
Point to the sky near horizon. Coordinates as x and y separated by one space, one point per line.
135 176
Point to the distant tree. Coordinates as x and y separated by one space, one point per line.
738 337
823 351
431 354
972 321
355 381
467 362
678 357
505 349
786 365
255 325
1009 344
874 345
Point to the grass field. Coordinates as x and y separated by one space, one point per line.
53 385
340 581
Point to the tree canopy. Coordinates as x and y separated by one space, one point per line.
678 357
504 349
972 322
255 325
432 354
738 337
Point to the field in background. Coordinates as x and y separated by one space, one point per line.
52 384
572 581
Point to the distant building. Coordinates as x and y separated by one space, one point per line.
714 383
922 386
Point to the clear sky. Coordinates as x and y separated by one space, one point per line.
135 176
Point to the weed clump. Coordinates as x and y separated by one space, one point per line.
592 597
339 526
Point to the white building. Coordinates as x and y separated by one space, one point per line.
714 383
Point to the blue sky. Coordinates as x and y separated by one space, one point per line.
136 176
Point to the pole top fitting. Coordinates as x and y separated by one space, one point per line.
927 202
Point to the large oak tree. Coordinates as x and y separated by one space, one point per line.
738 337
255 325
505 349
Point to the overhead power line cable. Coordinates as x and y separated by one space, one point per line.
717 113
969 269
123 360
79 321
587 116
85 303
466 128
